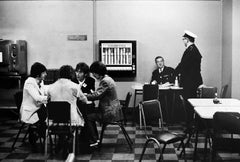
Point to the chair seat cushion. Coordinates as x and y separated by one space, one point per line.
167 137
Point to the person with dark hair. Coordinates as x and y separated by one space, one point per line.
162 74
86 82
87 85
32 108
109 108
66 90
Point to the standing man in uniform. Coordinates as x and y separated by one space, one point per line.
190 70
162 74
190 67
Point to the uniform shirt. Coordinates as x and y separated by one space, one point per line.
163 75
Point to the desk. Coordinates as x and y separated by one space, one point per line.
205 109
138 90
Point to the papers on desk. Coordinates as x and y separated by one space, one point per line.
166 86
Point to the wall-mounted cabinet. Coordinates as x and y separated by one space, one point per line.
119 56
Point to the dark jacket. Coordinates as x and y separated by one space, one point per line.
88 85
167 75
109 104
190 70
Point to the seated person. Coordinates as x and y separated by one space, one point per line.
66 90
163 74
86 82
87 85
109 108
32 108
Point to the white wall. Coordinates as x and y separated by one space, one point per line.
156 25
158 28
236 49
227 45
45 26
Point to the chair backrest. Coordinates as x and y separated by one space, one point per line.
208 92
59 111
127 100
152 113
18 96
184 109
150 92
223 91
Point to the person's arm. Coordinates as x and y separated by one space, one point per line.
33 91
153 80
101 90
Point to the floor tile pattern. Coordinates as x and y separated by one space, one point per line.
114 148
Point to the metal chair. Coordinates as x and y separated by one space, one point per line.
150 92
59 123
152 117
223 91
125 104
207 92
18 101
120 123
224 125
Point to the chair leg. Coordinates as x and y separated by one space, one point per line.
25 136
17 135
46 142
161 155
143 151
126 136
101 136
183 149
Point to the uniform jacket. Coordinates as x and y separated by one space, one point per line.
33 98
167 75
66 90
109 104
190 70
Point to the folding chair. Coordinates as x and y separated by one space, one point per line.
59 123
225 124
223 91
150 92
120 123
207 92
152 117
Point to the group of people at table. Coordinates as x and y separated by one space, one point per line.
77 88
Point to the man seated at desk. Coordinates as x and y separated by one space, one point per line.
163 74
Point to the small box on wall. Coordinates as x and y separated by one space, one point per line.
119 56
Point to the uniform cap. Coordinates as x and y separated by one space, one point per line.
189 34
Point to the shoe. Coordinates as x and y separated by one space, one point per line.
94 144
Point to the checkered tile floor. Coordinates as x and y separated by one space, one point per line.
114 148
